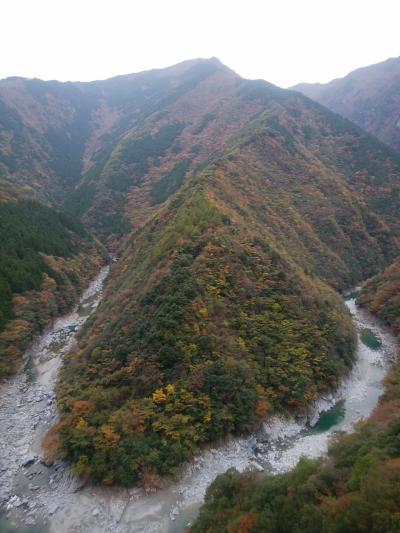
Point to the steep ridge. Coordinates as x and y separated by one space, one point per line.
204 329
50 133
112 150
164 138
368 96
190 128
220 310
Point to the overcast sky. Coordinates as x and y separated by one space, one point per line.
282 41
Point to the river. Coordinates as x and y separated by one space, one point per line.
35 498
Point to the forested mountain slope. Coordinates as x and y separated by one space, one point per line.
204 329
43 130
356 488
381 295
368 96
112 150
46 259
220 309
193 126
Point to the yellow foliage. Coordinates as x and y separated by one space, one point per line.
159 396
170 388
207 417
111 437
212 290
241 343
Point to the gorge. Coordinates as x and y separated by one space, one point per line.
239 213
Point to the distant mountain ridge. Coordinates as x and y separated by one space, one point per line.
369 96
52 132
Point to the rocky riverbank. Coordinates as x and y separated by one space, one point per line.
27 410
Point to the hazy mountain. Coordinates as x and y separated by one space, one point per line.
368 96
44 127
51 133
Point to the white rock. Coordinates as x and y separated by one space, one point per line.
15 501
53 509
256 466
29 459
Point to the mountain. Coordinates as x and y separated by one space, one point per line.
369 96
46 258
51 133
237 209
110 151
55 136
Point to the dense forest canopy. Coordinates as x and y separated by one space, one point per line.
27 230
226 336
31 236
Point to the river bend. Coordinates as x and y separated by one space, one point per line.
37 498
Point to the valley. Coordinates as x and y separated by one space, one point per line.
28 407
225 218
49 499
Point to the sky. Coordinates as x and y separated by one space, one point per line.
282 41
